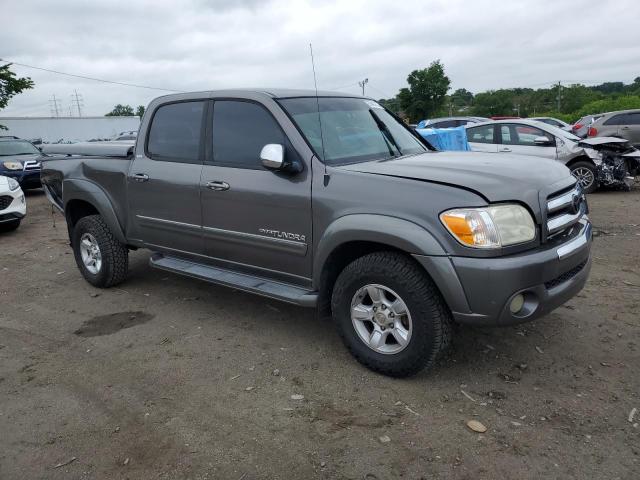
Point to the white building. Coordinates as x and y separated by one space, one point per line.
75 129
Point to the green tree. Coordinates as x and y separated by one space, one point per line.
426 93
140 111
11 85
121 111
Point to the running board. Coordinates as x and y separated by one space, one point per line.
239 281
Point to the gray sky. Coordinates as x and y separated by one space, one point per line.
200 44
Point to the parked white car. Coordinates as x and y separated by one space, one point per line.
587 160
13 206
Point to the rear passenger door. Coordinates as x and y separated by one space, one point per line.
520 139
482 138
164 180
254 219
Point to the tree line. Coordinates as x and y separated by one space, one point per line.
426 96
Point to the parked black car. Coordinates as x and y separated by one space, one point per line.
20 160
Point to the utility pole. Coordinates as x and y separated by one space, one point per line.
362 84
54 106
77 102
559 96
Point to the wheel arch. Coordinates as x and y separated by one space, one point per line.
83 198
354 236
581 158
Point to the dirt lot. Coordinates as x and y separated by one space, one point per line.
167 377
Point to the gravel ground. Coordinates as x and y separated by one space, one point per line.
167 377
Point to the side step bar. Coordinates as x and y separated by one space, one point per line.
260 286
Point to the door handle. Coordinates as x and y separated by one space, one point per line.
505 149
140 177
625 128
218 186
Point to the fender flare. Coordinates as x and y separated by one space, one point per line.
395 232
78 189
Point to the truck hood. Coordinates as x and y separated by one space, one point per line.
495 176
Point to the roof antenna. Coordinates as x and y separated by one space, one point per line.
315 83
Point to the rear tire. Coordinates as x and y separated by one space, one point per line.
585 173
101 258
412 341
9 226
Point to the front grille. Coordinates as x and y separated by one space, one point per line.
565 277
564 209
32 165
5 201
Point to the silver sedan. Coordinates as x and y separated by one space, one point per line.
529 137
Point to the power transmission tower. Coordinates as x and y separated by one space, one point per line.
362 84
77 102
55 106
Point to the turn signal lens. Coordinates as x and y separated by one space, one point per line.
491 227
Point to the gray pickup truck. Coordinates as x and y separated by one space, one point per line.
329 201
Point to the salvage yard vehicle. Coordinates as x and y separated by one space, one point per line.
529 137
13 206
329 201
623 124
555 122
450 122
20 160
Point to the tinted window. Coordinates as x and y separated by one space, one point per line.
444 124
482 134
240 130
633 118
19 147
175 132
616 120
518 134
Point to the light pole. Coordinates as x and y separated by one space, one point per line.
362 84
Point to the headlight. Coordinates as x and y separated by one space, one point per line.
490 227
12 165
13 185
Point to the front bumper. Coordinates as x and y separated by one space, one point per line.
26 178
483 288
16 210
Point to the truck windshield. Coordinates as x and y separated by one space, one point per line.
353 129
19 147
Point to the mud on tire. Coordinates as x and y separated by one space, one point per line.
114 255
431 324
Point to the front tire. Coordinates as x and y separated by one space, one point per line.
101 258
585 173
390 314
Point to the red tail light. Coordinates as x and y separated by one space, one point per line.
592 132
577 127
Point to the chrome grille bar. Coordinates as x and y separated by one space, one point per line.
564 200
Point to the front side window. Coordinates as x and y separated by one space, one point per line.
240 131
483 134
175 132
353 129
17 147
444 124
524 135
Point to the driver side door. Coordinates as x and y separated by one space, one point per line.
519 138
254 219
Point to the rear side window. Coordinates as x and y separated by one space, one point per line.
176 131
240 130
633 118
444 124
482 134
616 120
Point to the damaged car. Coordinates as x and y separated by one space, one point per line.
602 161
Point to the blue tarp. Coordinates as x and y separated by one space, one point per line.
446 138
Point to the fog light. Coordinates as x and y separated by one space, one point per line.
516 303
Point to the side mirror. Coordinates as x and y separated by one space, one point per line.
542 141
272 156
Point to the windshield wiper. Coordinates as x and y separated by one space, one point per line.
386 134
